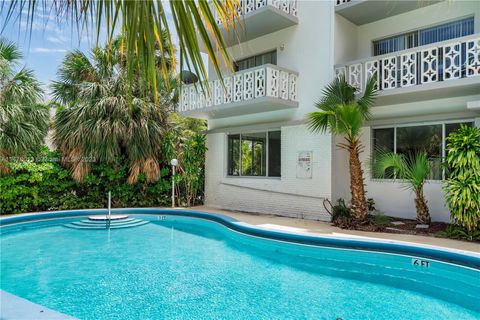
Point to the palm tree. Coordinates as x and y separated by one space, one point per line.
342 113
414 168
142 23
23 120
108 119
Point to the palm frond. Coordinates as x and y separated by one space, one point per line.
338 92
143 23
350 120
417 170
367 100
321 121
23 121
388 165
107 118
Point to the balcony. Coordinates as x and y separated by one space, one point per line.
440 70
260 89
365 11
260 17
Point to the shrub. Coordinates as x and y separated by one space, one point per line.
380 219
341 214
462 187
45 185
457 232
192 166
186 142
371 204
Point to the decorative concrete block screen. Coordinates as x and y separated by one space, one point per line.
444 61
264 81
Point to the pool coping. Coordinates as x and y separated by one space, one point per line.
449 255
16 308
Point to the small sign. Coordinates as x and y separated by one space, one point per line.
420 263
304 165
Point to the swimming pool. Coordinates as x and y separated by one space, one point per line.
188 265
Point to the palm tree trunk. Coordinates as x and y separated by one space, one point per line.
357 188
423 215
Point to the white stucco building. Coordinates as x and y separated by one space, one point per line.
262 157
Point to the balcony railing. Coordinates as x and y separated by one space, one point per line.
244 86
249 6
439 62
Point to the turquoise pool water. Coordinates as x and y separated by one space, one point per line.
186 268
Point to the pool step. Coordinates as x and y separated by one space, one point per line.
102 223
87 224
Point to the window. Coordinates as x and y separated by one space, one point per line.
412 140
409 140
256 61
254 154
274 156
446 31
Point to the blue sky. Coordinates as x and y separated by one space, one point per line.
46 46
49 42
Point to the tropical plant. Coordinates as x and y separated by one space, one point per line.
414 168
23 120
342 113
105 117
142 23
193 167
42 184
462 187
341 214
379 219
457 232
186 142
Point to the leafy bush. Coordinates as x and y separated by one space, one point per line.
186 142
380 219
341 214
45 185
462 187
457 232
193 163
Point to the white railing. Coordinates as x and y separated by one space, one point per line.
340 2
443 61
264 81
248 6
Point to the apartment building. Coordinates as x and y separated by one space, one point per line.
261 155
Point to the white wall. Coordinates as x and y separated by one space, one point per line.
309 49
345 43
306 50
288 195
340 171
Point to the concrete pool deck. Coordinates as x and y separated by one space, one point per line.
325 228
13 307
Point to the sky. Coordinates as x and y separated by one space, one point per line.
46 46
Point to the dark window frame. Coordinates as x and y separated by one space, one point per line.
461 27
234 167
238 63
443 125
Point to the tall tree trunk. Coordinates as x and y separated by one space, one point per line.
357 187
423 215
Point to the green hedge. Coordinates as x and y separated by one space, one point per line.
46 185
